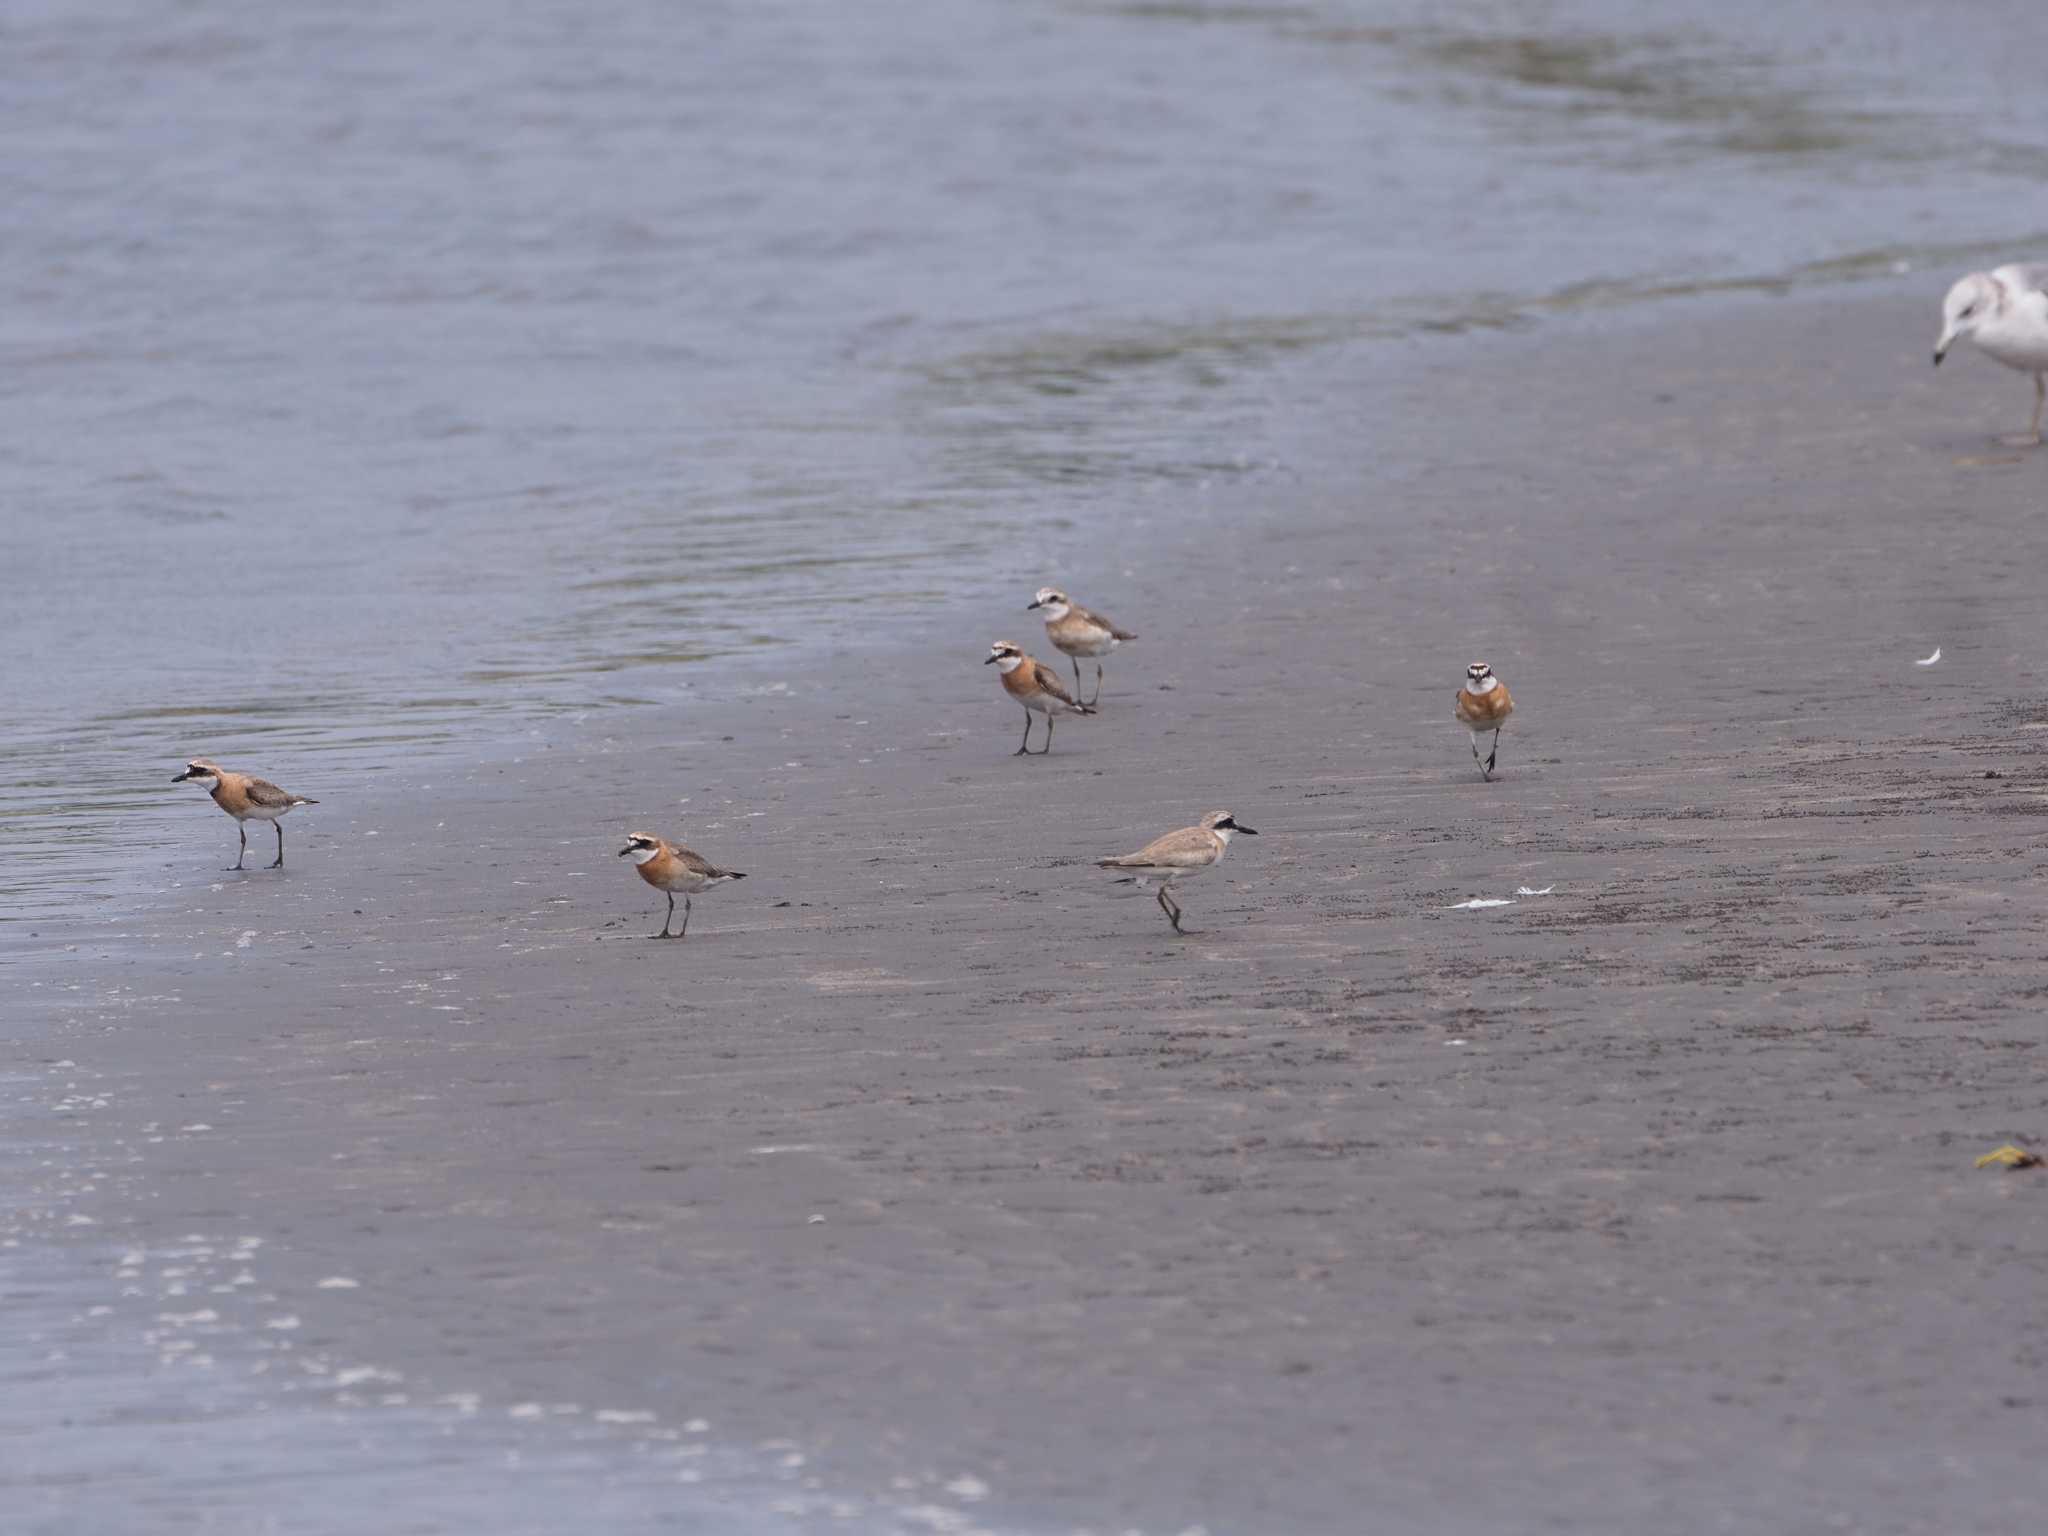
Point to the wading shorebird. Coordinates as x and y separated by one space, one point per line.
246 799
1178 856
1484 705
2005 311
1035 686
669 868
1076 632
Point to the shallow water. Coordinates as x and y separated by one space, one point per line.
383 378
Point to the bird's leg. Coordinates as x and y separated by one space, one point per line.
1490 756
1171 908
686 914
665 920
2031 438
1097 694
1077 676
1025 749
1048 735
243 833
278 828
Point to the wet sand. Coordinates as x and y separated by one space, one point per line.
1644 1205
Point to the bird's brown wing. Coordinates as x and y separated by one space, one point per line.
264 793
1104 622
697 864
1189 848
1049 682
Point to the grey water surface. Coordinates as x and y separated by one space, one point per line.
380 378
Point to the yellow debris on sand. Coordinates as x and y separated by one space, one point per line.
2009 1156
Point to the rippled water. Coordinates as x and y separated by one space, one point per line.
380 377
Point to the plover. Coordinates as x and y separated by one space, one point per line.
246 799
670 867
1076 632
1484 705
2005 311
1178 856
1035 686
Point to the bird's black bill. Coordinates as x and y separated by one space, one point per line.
181 778
1029 606
989 661
1247 831
624 851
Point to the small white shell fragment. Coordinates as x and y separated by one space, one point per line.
1928 661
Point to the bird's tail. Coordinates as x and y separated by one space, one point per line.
302 800
730 874
1086 709
1116 863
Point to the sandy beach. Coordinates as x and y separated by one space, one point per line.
1644 1204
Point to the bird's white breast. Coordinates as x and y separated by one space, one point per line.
2018 341
642 855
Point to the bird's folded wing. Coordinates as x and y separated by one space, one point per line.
1189 848
1049 682
2025 274
696 863
1104 623
264 793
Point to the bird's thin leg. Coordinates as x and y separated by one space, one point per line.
1097 694
1048 735
243 833
665 919
2040 396
278 828
1171 908
1025 749
1077 676
686 914
1490 756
